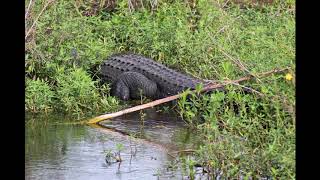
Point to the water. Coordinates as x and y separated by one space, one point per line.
78 151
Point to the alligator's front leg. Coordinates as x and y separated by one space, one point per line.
121 90
133 85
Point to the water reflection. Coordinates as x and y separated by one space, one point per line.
78 151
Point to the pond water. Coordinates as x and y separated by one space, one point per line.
55 151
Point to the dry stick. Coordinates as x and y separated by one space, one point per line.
27 12
34 23
226 26
234 60
225 4
171 98
253 90
142 4
153 4
133 109
130 5
237 62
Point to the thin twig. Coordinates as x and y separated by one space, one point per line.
142 6
130 6
252 90
237 62
234 60
224 5
220 30
27 11
35 21
153 4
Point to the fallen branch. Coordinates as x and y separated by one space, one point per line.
171 98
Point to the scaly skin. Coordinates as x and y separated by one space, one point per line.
133 75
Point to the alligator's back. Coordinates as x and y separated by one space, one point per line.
168 81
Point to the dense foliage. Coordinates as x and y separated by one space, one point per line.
203 38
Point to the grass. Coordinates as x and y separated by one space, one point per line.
243 135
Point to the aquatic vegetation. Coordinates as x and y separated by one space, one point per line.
119 148
113 156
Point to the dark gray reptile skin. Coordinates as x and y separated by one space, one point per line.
133 75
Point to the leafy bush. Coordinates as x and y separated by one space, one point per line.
78 94
39 95
243 135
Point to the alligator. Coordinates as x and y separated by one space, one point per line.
132 76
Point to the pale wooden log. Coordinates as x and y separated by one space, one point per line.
174 97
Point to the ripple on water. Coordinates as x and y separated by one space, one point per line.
77 152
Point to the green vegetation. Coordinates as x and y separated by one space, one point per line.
244 135
254 138
38 95
114 156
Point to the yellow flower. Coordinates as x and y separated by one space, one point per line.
289 77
